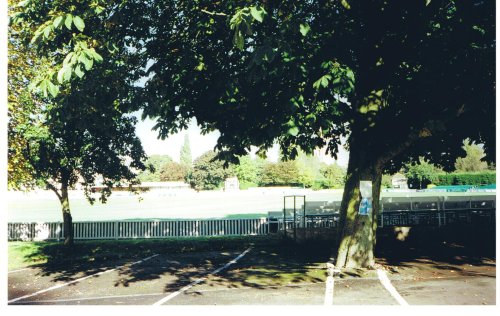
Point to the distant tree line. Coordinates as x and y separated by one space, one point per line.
207 173
469 170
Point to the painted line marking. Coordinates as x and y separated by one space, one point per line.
93 298
19 270
190 285
77 280
390 288
330 282
329 290
161 294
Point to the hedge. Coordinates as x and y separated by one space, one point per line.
466 178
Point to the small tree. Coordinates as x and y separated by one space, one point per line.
79 136
334 174
76 144
280 173
306 174
185 155
208 173
248 171
173 171
421 173
155 163
472 162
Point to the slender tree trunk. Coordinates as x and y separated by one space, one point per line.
357 235
67 218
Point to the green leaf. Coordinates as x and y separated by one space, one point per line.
80 25
43 87
47 30
68 21
317 84
324 80
200 66
427 2
58 21
67 73
345 4
311 117
60 75
82 58
79 72
88 63
53 89
257 14
304 29
68 58
98 9
95 55
23 3
238 40
36 37
294 131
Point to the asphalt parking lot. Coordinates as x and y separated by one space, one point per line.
253 277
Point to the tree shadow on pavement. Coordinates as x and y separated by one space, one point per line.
463 250
265 266
272 262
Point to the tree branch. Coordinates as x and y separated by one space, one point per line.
427 130
213 13
53 188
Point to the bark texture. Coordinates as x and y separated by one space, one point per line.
358 235
67 218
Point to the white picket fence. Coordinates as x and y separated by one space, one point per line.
139 229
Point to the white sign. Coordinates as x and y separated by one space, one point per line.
365 206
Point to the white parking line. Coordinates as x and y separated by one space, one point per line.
389 287
19 270
330 282
187 287
75 281
93 298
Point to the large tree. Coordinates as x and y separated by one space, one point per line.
399 79
73 134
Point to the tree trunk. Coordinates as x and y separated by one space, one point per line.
68 220
357 235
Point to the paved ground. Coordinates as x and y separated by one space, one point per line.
261 277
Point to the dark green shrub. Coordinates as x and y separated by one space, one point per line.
466 178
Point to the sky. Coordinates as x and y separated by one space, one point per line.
199 144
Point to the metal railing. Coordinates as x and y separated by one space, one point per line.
139 229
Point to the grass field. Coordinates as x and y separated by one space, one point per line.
43 206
